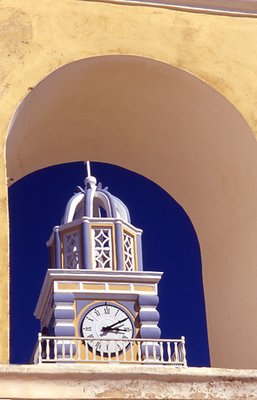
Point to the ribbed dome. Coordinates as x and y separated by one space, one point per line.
95 202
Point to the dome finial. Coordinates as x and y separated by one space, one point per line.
90 181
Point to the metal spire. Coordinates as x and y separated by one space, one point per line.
88 169
90 181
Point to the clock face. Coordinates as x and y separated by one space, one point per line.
107 321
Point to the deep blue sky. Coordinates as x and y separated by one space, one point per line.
170 245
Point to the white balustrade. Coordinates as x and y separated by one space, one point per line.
130 351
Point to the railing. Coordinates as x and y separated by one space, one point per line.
52 349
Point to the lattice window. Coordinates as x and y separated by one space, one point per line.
129 257
102 242
71 250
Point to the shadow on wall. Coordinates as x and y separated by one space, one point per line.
170 245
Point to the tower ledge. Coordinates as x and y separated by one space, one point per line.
58 381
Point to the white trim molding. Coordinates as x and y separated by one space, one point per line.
234 8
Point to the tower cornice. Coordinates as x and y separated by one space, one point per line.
80 276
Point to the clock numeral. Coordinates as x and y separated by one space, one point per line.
87 328
97 312
117 312
124 337
90 319
107 310
97 345
90 336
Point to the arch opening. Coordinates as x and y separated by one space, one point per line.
174 129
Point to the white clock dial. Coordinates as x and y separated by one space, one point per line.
107 321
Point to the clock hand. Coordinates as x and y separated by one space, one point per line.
119 322
103 333
104 328
116 329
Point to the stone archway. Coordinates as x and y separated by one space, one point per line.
171 127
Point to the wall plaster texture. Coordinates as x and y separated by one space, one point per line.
125 382
210 170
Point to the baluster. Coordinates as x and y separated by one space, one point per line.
184 351
78 344
146 351
94 353
124 350
47 350
169 351
55 350
139 351
161 352
180 352
154 350
63 349
132 350
40 348
176 351
101 352
116 351
86 350
108 346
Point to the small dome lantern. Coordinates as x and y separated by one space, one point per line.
96 233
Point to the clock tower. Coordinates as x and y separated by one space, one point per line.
97 303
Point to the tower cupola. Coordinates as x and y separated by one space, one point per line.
95 202
96 233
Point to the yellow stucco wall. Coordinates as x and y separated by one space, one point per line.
37 38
